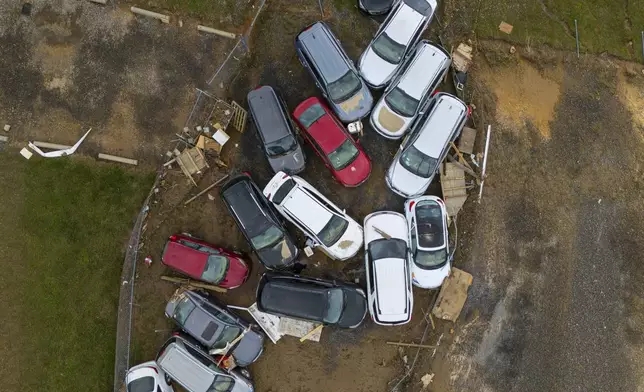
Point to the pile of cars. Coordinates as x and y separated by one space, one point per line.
401 249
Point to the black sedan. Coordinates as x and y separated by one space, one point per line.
259 223
327 302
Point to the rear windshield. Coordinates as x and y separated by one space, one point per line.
401 102
281 146
342 156
388 249
311 115
145 384
215 270
343 88
388 49
430 259
283 191
333 230
418 163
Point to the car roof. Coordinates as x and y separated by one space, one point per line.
327 133
391 286
294 298
184 258
439 124
243 201
318 40
427 65
403 24
186 369
307 209
268 113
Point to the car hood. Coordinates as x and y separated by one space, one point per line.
355 107
290 163
429 279
404 182
389 123
350 242
282 255
249 348
236 274
357 172
355 308
374 70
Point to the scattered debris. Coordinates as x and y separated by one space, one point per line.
115 158
452 295
513 50
467 139
220 33
410 345
356 128
150 14
577 37
308 251
382 233
4 138
59 153
52 146
211 197
461 61
26 153
148 261
427 379
239 117
452 179
483 172
103 2
7 127
219 181
26 9
191 161
180 23
506 27
311 332
189 283
276 327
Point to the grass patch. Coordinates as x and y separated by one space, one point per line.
64 232
604 25
229 14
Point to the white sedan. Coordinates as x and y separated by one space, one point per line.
387 264
427 227
147 377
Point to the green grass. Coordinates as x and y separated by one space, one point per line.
65 224
603 24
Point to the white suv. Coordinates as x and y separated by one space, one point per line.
337 234
388 267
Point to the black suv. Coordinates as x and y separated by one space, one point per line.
323 301
259 223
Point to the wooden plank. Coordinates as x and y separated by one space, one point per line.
453 295
115 158
466 141
194 283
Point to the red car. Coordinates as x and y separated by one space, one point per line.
203 261
332 142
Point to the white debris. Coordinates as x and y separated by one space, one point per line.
7 127
427 379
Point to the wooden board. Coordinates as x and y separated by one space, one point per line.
466 141
454 187
453 295
239 117
462 57
506 27
192 161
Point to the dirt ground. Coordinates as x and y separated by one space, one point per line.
72 65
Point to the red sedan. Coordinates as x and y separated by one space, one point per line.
332 142
203 261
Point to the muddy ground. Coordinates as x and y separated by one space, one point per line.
71 65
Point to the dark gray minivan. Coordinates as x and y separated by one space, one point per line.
334 73
275 131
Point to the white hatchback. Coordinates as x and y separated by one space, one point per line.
429 242
387 263
393 41
147 377
418 78
332 230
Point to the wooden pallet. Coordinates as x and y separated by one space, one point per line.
192 161
454 187
453 295
239 117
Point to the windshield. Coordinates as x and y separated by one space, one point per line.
388 249
401 102
311 115
335 305
222 384
388 49
430 259
267 238
281 146
183 310
333 230
228 335
418 163
342 156
145 384
345 87
216 268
